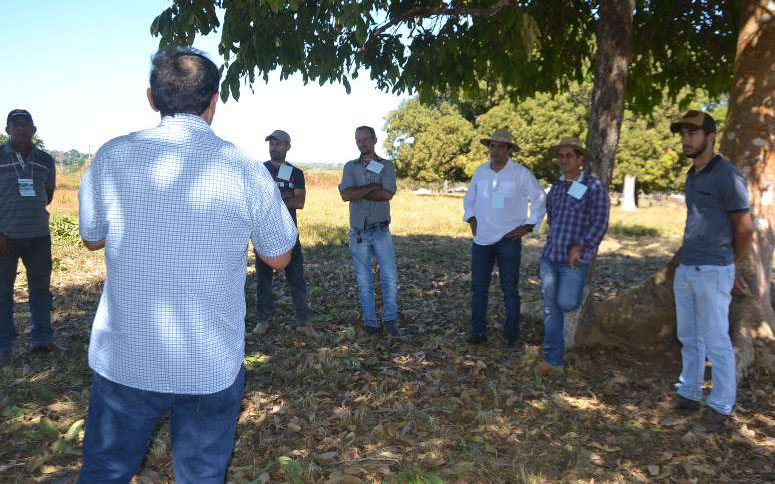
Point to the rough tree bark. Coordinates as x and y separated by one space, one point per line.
609 94
643 318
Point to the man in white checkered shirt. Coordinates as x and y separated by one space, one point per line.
174 207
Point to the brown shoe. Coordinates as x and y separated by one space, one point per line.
713 421
44 348
683 404
546 369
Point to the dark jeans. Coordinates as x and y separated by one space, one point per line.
508 254
294 274
121 420
35 253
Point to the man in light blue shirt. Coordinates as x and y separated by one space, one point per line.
174 207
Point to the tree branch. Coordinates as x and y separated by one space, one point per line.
425 12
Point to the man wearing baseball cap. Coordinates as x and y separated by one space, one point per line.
577 209
496 207
290 181
27 182
717 235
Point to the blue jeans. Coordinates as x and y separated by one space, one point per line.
562 287
508 254
35 253
702 297
294 275
378 243
121 420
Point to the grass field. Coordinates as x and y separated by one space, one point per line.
343 407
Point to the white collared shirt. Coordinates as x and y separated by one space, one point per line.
500 201
176 206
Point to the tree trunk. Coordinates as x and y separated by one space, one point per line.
749 141
643 318
609 93
628 194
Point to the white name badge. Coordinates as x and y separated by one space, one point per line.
375 166
498 200
577 190
26 188
285 172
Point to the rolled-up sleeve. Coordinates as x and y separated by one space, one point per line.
389 177
273 231
348 180
92 225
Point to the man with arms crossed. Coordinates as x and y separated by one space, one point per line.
496 206
290 181
717 235
368 183
577 208
174 207
27 181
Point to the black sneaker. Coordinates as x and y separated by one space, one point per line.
477 338
394 329
372 329
686 404
713 421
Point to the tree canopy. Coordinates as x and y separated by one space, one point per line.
458 47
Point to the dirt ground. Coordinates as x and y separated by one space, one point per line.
342 406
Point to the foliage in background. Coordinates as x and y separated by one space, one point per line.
460 48
442 140
69 161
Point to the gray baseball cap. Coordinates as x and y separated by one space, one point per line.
279 134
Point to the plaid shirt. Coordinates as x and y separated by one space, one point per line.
573 221
176 206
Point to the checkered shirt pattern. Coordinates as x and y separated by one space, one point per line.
176 206
573 221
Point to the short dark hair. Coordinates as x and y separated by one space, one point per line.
183 80
367 128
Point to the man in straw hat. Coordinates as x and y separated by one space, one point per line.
717 235
577 209
496 206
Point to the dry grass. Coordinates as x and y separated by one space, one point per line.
345 407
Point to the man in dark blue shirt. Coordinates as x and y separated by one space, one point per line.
290 181
717 235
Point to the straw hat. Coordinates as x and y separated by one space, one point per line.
570 142
502 136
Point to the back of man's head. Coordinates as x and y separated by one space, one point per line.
183 80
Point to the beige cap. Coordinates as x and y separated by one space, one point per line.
570 142
502 136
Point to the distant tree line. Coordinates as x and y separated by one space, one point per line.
440 140
67 161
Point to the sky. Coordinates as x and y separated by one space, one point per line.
81 69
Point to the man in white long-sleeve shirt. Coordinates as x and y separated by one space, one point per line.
504 203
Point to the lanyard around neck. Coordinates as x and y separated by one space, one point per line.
24 167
